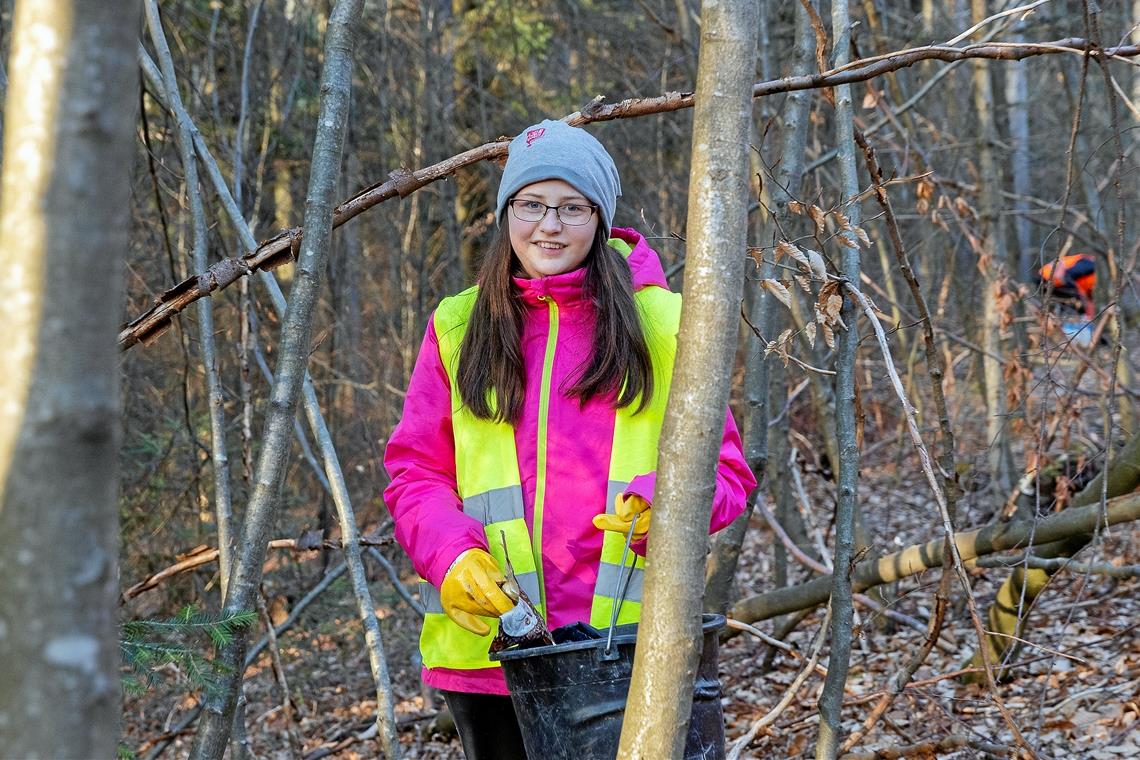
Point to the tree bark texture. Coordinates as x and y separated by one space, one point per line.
69 116
781 187
993 258
670 632
842 609
223 500
336 84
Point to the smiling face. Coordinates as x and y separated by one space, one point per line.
550 246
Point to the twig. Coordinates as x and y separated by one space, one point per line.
1061 563
279 676
789 694
947 525
995 17
204 555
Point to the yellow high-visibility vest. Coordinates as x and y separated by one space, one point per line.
487 476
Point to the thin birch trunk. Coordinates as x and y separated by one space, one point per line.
842 611
336 83
758 399
993 260
385 706
668 646
1017 103
223 500
70 117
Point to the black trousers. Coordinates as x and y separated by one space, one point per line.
487 726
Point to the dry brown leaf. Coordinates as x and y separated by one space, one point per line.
809 333
803 282
786 248
828 335
796 207
776 288
842 220
817 265
831 309
847 242
816 214
862 235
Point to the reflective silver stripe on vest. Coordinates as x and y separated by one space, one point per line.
498 505
528 582
613 488
429 598
608 576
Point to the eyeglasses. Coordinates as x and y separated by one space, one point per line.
573 214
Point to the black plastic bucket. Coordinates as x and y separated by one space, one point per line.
570 697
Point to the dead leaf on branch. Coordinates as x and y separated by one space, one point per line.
817 265
817 216
786 248
776 288
828 335
809 333
796 207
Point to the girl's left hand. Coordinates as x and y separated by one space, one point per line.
628 509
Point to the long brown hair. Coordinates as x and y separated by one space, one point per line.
491 377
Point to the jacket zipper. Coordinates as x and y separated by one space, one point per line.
543 414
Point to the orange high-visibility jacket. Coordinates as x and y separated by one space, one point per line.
1076 271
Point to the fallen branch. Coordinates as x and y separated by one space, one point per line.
1061 563
283 247
204 555
920 557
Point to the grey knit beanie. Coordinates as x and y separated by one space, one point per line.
555 150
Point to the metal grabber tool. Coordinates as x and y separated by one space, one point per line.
621 588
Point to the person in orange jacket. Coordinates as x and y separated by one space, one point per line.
1072 280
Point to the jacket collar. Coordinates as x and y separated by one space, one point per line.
566 289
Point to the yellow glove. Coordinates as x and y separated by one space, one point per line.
628 509
470 588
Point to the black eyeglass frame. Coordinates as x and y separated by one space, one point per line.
547 209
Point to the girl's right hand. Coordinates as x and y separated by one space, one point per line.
471 587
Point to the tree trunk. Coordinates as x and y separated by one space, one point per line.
758 399
336 82
842 611
69 113
993 259
1017 102
668 647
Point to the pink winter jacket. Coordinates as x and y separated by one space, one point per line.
420 459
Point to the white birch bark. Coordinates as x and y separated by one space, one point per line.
69 112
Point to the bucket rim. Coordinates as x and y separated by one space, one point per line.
623 635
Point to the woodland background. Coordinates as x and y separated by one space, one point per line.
991 168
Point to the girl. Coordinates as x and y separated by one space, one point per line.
531 420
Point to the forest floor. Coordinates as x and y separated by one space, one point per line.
1074 691
1076 696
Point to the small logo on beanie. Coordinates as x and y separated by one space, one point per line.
533 135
